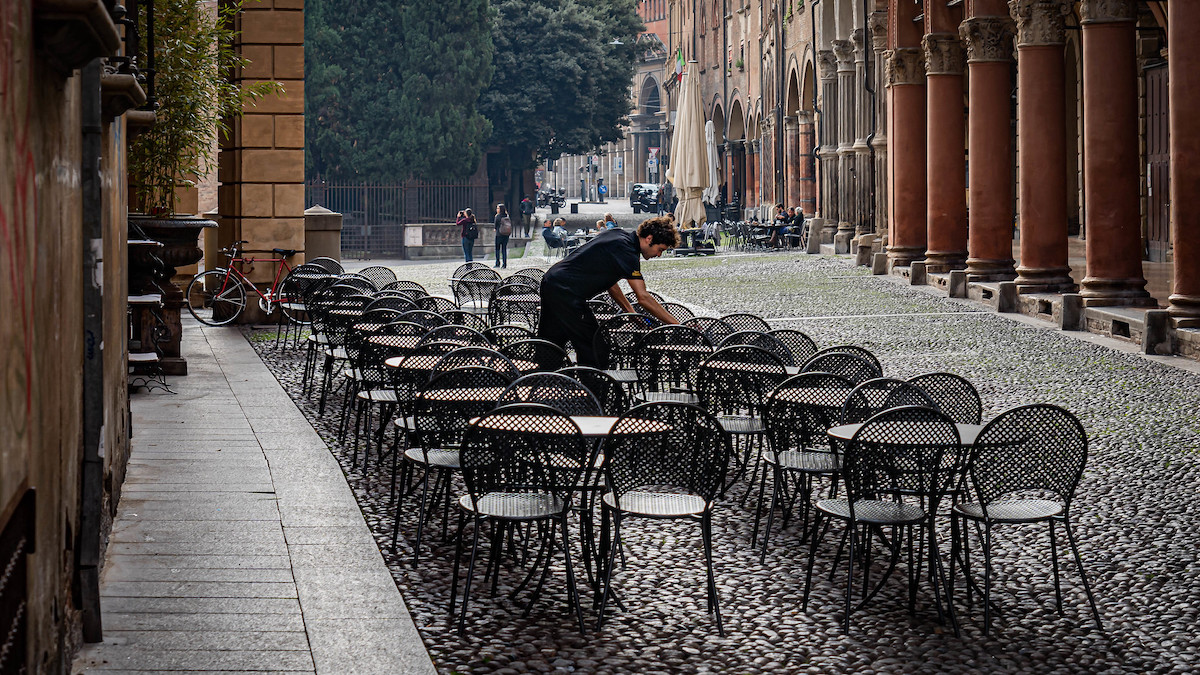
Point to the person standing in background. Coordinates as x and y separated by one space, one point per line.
526 215
503 226
470 232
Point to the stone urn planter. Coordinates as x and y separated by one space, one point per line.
179 235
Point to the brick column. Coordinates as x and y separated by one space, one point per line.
878 34
1112 189
989 42
807 154
827 198
791 150
1041 130
1184 64
906 139
847 184
946 166
261 197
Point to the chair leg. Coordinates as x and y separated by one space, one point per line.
606 579
1087 587
812 558
572 591
1054 567
852 527
462 617
713 599
762 487
462 523
987 578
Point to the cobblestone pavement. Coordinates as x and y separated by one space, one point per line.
1135 513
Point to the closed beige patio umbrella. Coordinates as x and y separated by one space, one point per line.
689 152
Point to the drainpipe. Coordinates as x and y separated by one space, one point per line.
818 118
780 71
869 85
92 469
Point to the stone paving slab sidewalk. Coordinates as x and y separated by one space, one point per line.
238 545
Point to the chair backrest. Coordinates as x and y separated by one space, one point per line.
379 275
669 356
530 275
632 297
437 304
524 448
398 303
761 340
559 391
474 285
424 317
861 352
902 453
617 338
743 321
610 393
502 334
514 302
737 379
954 395
357 281
603 308
484 357
881 393
462 317
456 333
675 309
802 408
534 355
328 264
462 269
801 345
667 445
445 404
716 329
1033 448
334 310
372 314
850 366
413 287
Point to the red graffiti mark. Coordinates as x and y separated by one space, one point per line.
17 226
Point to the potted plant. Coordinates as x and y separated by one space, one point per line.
191 63
739 64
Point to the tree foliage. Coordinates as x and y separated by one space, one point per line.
392 88
560 85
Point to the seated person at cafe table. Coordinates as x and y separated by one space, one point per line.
599 265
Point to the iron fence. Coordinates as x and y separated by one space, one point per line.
374 216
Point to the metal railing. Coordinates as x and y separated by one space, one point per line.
374 215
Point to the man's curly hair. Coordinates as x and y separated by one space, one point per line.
661 230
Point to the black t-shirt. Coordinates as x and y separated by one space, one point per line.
597 265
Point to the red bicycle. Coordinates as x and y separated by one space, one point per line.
218 296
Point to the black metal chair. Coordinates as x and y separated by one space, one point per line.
474 286
328 264
798 413
424 317
437 304
850 366
397 302
474 355
378 275
440 413
606 389
896 469
534 355
743 321
358 281
530 275
879 394
715 329
294 291
861 352
455 333
667 461
616 340
675 309
462 317
1024 468
505 333
954 395
761 340
666 360
515 302
559 391
521 464
800 345
417 290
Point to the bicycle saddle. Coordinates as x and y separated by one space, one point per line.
285 252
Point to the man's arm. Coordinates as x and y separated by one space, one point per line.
647 301
619 297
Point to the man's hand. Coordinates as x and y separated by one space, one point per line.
647 301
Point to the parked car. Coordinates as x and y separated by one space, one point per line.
643 197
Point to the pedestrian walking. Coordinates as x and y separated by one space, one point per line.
596 266
526 215
470 232
503 226
660 199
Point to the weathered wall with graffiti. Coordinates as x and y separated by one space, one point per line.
41 322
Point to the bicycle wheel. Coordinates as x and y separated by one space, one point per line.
215 297
291 300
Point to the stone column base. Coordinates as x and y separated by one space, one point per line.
902 256
1185 310
1115 292
941 262
982 269
1045 280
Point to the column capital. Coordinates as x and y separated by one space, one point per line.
790 123
1040 22
844 51
859 37
988 38
943 54
877 25
905 66
826 64
804 117
1107 11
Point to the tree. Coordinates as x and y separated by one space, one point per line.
560 86
392 88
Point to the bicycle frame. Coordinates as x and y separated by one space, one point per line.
280 270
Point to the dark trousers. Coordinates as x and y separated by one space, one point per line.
468 249
502 249
569 320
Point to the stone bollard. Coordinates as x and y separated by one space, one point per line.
841 242
1006 300
879 263
917 275
322 233
865 244
1071 315
958 283
815 227
1156 337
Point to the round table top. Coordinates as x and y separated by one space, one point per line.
591 426
967 432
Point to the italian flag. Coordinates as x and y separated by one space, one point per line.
679 65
